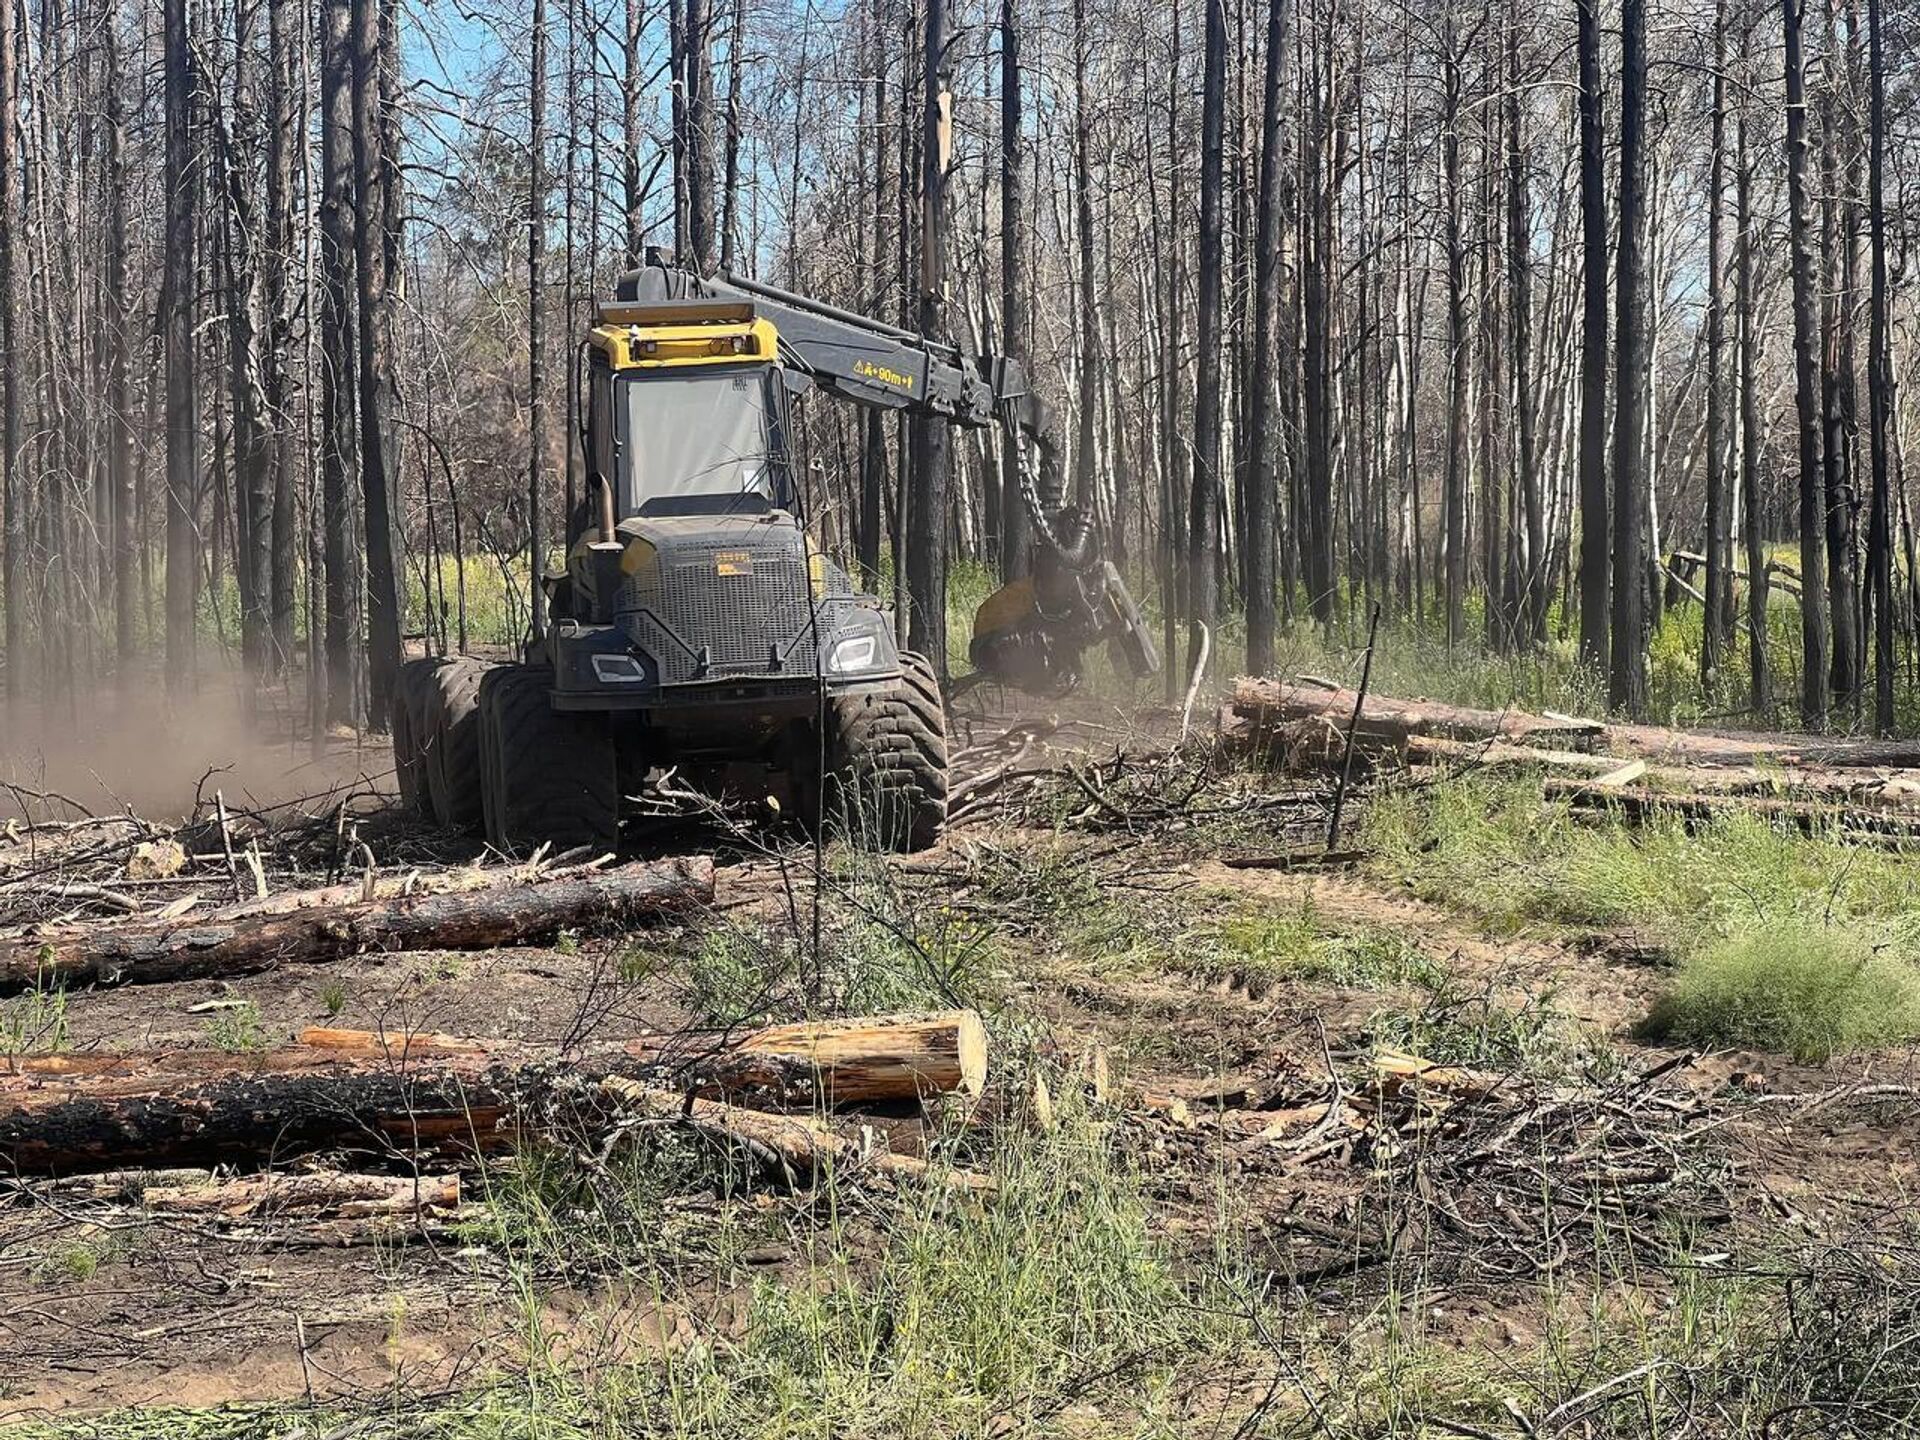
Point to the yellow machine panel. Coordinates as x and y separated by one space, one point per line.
644 337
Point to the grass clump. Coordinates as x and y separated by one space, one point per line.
1811 991
878 953
997 1315
35 1020
940 1316
1297 946
238 1030
1475 1028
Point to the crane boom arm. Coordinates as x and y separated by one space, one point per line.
867 361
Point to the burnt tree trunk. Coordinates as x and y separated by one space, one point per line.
1263 448
1879 386
1596 578
1627 678
1459 347
177 293
1813 620
931 476
1533 521
120 454
338 366
1014 536
376 176
1717 621
1204 514
536 353
1746 305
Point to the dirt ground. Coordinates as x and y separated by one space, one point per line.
104 1306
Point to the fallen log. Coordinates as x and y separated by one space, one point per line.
211 948
1639 804
327 1193
1894 790
1272 703
389 1095
1274 708
837 1062
834 1062
798 1146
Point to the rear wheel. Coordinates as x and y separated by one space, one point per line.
547 777
411 691
449 734
887 762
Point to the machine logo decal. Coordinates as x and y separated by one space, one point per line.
867 370
732 562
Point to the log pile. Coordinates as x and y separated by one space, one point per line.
395 1096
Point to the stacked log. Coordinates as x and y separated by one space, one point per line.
1694 772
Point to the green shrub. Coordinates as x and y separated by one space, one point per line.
1810 990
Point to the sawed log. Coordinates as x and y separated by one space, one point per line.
401 1093
214 948
799 1145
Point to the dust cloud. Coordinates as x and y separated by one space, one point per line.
112 750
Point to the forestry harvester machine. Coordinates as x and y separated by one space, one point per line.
697 627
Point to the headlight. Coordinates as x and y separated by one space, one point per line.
854 653
618 670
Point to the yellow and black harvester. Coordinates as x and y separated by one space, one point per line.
698 628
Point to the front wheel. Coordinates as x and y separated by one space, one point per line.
886 780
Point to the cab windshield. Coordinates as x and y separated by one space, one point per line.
704 433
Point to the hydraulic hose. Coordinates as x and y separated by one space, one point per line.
1074 541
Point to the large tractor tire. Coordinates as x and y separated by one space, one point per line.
449 734
548 778
411 689
887 762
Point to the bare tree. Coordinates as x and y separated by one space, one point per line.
1880 385
1596 582
376 242
1813 620
1262 497
1204 518
183 479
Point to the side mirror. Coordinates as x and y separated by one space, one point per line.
798 382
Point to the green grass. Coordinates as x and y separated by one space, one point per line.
1455 1025
34 1020
879 953
1413 660
238 1029
1299 946
1808 990
1750 913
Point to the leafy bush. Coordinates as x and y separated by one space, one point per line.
1810 990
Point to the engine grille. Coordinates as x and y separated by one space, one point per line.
701 623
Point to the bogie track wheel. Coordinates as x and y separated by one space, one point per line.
450 735
547 777
409 718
